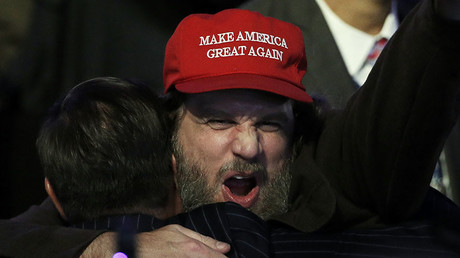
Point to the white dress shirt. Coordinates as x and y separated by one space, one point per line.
355 45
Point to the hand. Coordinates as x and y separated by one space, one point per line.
177 241
168 241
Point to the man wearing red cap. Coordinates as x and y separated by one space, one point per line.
235 78
234 140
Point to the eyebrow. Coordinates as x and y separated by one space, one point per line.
207 111
277 116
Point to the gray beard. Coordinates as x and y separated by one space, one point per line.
195 191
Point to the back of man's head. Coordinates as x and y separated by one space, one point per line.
105 150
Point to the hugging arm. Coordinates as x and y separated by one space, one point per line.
40 232
168 241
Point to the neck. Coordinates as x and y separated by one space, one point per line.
172 207
161 213
365 15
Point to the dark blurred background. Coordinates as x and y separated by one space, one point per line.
48 46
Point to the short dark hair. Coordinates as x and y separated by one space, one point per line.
105 149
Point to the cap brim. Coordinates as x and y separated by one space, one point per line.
244 81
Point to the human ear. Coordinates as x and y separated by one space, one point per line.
174 167
177 200
50 191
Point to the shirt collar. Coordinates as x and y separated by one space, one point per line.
355 45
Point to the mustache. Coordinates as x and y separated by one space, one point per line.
255 168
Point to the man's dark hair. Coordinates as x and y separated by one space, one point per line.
105 150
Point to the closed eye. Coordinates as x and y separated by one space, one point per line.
268 126
220 124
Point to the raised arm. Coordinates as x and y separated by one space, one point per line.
380 154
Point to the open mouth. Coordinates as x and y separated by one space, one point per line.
241 189
240 186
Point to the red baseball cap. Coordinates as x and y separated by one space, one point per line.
236 49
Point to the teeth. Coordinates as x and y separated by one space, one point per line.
238 177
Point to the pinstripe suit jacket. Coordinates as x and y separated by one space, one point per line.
249 236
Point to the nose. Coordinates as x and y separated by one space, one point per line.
246 143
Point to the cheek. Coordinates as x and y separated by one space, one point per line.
277 149
204 146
